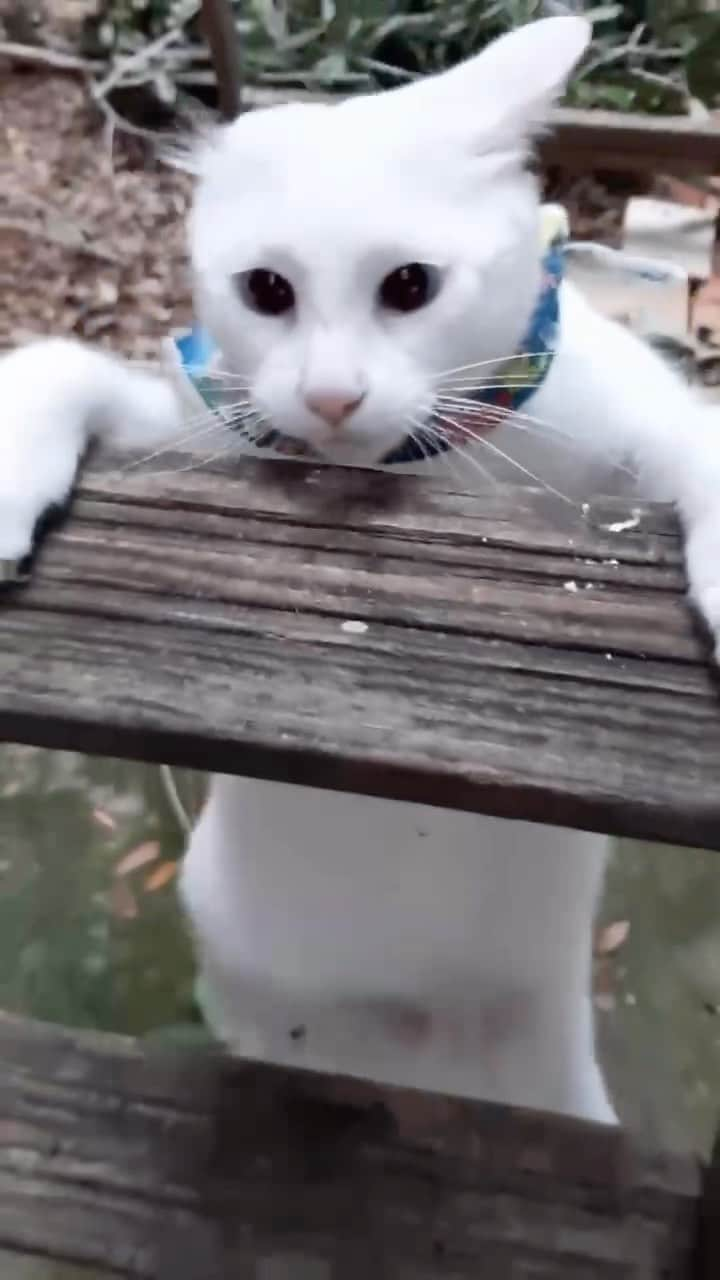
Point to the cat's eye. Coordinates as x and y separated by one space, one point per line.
409 287
265 291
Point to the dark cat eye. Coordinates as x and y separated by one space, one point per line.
265 291
410 287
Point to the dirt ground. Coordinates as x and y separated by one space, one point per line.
92 239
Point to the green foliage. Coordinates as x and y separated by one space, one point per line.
70 951
648 56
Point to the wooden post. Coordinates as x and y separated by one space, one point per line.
707 1261
223 40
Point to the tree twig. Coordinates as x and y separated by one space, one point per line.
40 56
173 798
135 62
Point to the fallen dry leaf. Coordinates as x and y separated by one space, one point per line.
123 903
104 819
603 978
138 857
611 937
161 876
687 193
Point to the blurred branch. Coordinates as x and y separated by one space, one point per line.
137 62
222 37
53 59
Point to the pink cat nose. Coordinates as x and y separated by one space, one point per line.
333 409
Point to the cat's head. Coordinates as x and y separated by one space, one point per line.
348 257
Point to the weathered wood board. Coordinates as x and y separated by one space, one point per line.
200 1168
608 140
515 655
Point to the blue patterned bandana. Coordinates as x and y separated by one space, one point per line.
512 386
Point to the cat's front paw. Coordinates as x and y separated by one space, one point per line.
40 444
36 476
703 564
22 525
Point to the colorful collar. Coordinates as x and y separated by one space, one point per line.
195 351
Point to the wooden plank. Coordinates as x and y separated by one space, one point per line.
515 655
582 140
600 140
156 1166
24 1266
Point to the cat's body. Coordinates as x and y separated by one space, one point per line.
402 942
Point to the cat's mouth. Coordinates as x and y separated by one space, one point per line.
436 435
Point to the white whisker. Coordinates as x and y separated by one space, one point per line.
468 456
199 463
458 474
216 371
200 426
230 381
452 465
519 420
499 413
174 442
471 385
418 437
465 458
480 364
487 444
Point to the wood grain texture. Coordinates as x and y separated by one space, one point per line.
201 1168
522 657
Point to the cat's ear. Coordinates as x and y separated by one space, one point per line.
502 96
524 71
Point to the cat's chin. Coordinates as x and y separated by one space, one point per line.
352 453
347 455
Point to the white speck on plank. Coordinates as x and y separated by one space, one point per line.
622 526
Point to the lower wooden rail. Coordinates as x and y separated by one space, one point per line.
196 1167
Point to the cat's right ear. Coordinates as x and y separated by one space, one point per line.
523 72
502 96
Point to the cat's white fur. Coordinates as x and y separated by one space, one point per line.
392 940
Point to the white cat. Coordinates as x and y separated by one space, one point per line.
361 269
